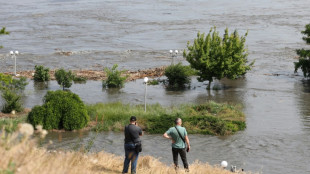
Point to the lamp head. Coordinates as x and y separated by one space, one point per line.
176 51
171 51
16 52
224 164
11 53
146 79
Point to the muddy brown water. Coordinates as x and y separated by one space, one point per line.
137 35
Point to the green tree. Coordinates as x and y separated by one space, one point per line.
304 55
64 78
11 89
41 74
216 57
114 78
3 32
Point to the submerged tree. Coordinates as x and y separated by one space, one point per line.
216 57
64 78
2 32
304 55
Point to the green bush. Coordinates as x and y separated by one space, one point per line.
114 78
12 101
64 78
304 54
41 74
178 75
61 110
79 79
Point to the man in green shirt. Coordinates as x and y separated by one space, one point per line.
178 136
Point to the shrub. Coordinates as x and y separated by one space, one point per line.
79 79
61 110
114 78
12 102
178 75
64 78
41 74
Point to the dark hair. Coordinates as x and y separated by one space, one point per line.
133 118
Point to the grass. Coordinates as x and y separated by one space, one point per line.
20 154
209 118
10 124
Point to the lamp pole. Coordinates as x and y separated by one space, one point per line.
145 81
13 54
173 55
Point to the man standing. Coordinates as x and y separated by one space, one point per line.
132 138
178 136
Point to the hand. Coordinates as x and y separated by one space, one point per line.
172 140
188 148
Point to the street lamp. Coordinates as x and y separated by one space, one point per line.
173 55
145 81
13 54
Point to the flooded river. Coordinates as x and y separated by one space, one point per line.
137 35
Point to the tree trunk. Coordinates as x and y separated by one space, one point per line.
209 85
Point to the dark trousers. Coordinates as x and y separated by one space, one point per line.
182 152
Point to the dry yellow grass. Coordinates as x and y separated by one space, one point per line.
21 155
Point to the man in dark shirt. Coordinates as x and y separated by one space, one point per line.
132 137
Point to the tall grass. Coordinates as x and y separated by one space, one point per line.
209 118
21 155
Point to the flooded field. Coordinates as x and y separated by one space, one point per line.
137 35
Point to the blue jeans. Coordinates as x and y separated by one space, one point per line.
130 155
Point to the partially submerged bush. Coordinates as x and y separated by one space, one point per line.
114 78
64 78
11 92
61 110
178 75
41 74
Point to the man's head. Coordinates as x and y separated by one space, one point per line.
133 119
178 121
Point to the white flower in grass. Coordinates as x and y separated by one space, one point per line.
25 129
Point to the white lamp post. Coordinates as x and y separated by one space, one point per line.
13 54
173 55
145 81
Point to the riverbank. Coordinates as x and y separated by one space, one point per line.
209 118
101 75
21 155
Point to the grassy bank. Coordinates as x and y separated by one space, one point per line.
209 118
10 124
21 155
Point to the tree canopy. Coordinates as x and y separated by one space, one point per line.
216 57
304 55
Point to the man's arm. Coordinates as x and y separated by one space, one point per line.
167 136
187 142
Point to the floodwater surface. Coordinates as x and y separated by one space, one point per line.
138 34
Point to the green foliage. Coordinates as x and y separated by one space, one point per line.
11 169
304 55
178 75
61 110
114 78
209 118
3 31
11 92
64 78
41 74
79 79
153 82
12 101
216 57
10 124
